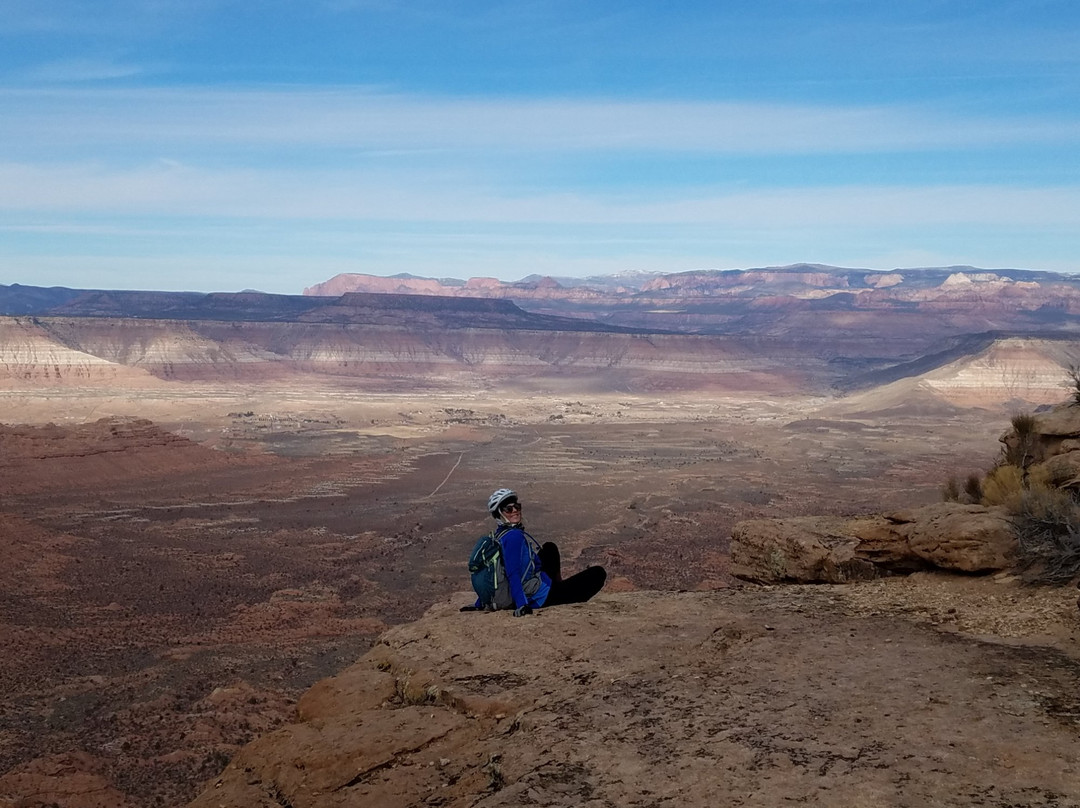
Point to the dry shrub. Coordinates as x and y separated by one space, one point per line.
1045 516
1047 522
1056 472
1004 485
973 487
1074 383
1019 447
1024 425
1043 476
950 492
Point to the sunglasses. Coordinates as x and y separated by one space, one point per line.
510 507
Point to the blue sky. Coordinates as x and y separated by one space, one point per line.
223 145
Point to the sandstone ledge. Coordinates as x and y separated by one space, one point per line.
737 697
825 549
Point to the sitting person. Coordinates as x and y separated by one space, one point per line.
532 573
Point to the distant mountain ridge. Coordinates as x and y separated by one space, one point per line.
796 279
806 327
351 307
844 311
939 302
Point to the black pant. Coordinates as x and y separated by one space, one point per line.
575 589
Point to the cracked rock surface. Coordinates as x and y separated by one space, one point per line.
752 697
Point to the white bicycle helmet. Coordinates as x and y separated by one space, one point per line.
498 498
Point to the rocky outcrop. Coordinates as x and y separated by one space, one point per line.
801 549
1042 453
1054 433
73 780
822 549
959 538
754 698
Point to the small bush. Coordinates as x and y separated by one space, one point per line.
1023 424
950 492
1020 445
973 487
1003 486
1047 524
1047 476
1074 382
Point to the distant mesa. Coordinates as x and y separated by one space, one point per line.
805 327
795 279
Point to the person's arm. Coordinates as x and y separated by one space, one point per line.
513 552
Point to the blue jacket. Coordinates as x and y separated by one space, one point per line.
517 552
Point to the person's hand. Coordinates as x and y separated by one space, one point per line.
524 610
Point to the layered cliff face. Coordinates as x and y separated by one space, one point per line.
800 280
868 319
140 353
1031 370
92 350
31 356
985 372
807 328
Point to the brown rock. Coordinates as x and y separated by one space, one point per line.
73 780
748 697
311 761
356 688
823 549
1061 470
964 538
1056 432
810 549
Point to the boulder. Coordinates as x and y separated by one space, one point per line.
963 538
1060 470
1056 432
829 549
1060 423
811 549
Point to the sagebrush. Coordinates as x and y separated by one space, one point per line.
1047 523
1045 512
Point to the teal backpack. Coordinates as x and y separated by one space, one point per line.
489 574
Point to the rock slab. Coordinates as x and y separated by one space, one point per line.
749 698
828 549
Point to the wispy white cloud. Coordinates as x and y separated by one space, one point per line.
177 190
78 70
486 136
356 119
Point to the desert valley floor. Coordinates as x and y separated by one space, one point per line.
173 584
